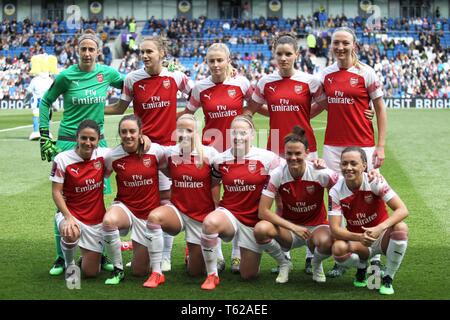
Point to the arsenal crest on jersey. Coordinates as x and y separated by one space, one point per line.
166 83
232 93
100 77
298 89
97 165
368 198
353 82
310 189
252 167
147 162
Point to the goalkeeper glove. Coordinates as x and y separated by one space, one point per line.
48 146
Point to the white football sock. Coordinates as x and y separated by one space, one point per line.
168 244
209 243
154 235
394 254
219 251
309 254
348 260
111 239
69 250
236 251
318 257
273 248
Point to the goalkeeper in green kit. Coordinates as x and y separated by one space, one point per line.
84 87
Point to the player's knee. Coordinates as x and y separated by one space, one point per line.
71 242
248 275
340 248
90 271
110 223
399 231
262 231
154 218
194 272
324 244
139 271
211 225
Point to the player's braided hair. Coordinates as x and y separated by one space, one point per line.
284 37
297 135
161 42
91 35
355 60
132 117
198 146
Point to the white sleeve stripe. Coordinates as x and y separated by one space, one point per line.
334 213
268 194
387 197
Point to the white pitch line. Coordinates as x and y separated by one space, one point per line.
16 128
55 122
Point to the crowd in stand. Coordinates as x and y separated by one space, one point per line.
421 68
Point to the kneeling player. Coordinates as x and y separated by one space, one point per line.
244 171
193 194
77 191
137 194
370 230
304 218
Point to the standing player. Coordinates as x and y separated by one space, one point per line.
84 88
153 91
221 98
244 171
189 166
42 65
77 188
370 230
304 218
288 94
351 87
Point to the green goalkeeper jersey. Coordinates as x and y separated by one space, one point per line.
84 94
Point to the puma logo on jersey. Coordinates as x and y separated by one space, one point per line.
226 169
207 96
76 82
75 170
286 190
272 88
344 205
121 166
330 80
142 86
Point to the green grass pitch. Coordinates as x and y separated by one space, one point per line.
417 167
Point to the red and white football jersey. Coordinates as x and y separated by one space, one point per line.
221 103
289 102
303 197
349 92
82 184
243 181
363 208
137 178
191 185
155 101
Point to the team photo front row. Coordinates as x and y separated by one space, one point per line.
356 227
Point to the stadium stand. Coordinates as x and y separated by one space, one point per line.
411 56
